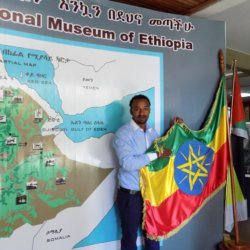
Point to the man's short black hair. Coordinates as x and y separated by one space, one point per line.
136 97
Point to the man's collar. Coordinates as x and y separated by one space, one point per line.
135 126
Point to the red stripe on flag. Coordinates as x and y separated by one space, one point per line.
178 208
238 113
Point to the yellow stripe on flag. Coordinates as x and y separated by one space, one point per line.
160 185
221 133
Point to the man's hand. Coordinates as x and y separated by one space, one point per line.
164 153
178 120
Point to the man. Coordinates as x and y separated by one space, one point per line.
130 143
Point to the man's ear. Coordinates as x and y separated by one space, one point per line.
130 110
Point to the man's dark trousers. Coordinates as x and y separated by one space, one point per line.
130 209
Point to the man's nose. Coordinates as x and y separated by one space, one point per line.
141 111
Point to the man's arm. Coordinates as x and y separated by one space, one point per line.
125 149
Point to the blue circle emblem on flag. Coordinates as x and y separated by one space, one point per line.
192 166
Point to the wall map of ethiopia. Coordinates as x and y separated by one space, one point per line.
60 104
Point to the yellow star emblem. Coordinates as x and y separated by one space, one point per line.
194 167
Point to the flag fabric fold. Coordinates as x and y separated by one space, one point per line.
176 188
241 203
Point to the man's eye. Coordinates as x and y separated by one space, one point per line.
141 109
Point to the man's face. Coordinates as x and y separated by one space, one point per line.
140 111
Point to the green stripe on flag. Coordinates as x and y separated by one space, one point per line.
180 133
241 125
240 129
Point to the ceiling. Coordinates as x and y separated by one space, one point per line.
182 7
236 14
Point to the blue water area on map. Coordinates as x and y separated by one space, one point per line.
111 224
104 120
35 69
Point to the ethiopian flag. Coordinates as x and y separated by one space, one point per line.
174 189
